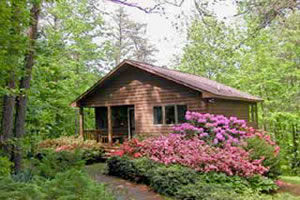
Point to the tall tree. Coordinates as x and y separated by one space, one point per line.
270 68
14 20
128 39
70 58
21 105
209 49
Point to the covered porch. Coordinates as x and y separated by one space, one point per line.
113 124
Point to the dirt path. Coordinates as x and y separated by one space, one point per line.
289 188
123 190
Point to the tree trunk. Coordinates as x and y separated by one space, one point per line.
25 83
8 115
9 99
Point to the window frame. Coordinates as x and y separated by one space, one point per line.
177 112
162 115
163 106
252 111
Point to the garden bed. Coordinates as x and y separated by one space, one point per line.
208 157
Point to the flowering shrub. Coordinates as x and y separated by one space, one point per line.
91 150
214 129
196 154
253 133
130 148
69 143
206 143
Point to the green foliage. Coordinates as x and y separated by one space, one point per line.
51 162
209 50
185 183
73 184
68 60
261 184
70 184
10 189
25 176
122 167
291 179
201 190
260 148
263 62
5 166
168 179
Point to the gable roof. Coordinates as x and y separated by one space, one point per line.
209 88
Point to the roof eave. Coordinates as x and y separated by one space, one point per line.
76 103
196 88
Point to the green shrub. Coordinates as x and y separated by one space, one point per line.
74 184
5 166
25 176
167 179
71 184
205 191
260 148
185 183
144 169
262 184
50 162
122 167
12 190
235 183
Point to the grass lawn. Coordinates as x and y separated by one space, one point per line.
96 168
290 179
290 184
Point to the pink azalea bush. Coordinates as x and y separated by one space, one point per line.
214 129
206 143
130 148
196 154
251 132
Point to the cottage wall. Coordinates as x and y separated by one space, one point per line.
132 86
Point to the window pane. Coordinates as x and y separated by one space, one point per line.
157 115
170 114
181 110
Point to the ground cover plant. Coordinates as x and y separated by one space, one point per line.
210 153
54 175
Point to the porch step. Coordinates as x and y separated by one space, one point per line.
109 150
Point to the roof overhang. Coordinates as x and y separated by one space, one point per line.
205 94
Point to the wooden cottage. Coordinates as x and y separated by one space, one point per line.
137 98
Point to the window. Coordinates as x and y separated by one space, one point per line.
252 113
157 115
170 114
181 110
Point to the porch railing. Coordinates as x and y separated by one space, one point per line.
98 135
101 135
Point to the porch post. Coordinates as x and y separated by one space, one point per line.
109 124
81 121
256 115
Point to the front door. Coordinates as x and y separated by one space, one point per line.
131 122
